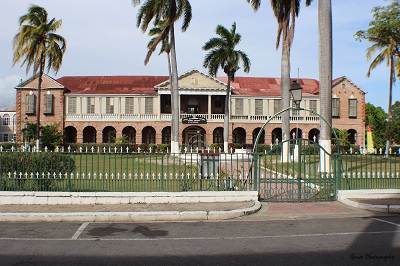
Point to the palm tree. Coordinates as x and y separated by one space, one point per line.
223 55
170 11
160 34
388 53
383 34
325 76
36 43
285 12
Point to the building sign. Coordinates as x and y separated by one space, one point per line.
194 120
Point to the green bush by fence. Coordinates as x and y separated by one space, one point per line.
38 165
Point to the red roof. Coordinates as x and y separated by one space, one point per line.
145 85
111 84
268 86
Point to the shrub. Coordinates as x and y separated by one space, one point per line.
35 163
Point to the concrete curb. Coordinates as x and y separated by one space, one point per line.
73 198
348 197
394 209
129 216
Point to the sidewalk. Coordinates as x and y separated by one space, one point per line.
145 212
138 212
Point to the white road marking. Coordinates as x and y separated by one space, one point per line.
79 231
197 238
385 221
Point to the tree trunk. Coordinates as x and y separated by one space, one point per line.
285 94
174 97
227 115
325 77
38 101
389 106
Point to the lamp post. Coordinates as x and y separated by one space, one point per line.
296 92
26 128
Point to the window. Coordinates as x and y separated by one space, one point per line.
71 105
295 113
218 134
5 138
239 107
90 105
277 105
195 81
30 104
129 105
353 108
6 120
48 104
148 106
259 107
335 107
109 105
167 136
313 106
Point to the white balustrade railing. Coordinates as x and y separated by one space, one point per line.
168 117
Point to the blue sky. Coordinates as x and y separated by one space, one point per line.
103 40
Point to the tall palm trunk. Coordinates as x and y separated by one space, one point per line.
325 77
41 66
174 96
389 105
285 86
226 115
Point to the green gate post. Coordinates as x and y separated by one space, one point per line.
338 174
299 169
69 173
256 173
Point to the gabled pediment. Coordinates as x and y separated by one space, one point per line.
342 81
47 83
195 80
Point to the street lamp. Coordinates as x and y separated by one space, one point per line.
296 92
25 133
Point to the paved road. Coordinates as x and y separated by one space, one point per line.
338 241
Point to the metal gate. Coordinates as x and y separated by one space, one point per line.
309 173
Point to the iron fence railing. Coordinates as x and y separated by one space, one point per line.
122 170
370 171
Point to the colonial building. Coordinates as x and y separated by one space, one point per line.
101 109
7 124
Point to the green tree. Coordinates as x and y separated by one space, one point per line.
51 138
37 43
384 34
343 137
222 54
160 34
377 119
395 122
29 132
285 12
169 11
